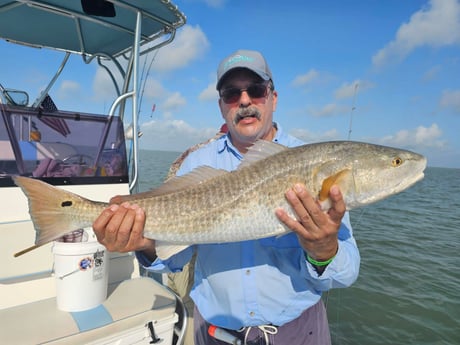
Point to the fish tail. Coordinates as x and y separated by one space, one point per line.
54 211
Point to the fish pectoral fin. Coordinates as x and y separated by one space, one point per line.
343 179
165 250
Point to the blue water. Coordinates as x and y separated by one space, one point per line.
154 167
409 283
408 288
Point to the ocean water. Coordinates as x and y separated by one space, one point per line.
154 167
408 290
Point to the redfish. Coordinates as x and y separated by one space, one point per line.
214 206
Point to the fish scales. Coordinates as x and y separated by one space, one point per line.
238 205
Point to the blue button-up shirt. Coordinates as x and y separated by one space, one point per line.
257 282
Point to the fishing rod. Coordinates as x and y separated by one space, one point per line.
352 110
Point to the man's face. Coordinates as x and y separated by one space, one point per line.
248 118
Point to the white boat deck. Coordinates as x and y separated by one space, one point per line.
122 319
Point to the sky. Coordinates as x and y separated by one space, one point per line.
385 72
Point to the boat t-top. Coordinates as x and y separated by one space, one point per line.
94 155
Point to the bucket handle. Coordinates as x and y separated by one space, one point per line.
68 274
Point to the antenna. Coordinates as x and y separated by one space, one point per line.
352 110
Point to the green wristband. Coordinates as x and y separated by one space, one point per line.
318 263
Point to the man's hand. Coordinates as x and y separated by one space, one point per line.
317 230
120 228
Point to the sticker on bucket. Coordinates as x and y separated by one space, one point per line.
85 263
99 270
81 271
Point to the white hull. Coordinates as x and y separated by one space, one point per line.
28 308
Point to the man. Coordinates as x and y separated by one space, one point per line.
267 289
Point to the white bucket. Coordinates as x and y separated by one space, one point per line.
81 271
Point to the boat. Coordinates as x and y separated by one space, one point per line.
94 155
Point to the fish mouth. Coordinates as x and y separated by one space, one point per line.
402 186
419 177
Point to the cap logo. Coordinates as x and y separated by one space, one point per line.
236 59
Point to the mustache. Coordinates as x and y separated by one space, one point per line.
246 112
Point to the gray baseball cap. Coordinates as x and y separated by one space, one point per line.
249 59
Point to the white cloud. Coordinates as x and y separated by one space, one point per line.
173 135
451 99
153 89
349 90
418 137
310 137
210 3
306 78
210 93
331 109
189 44
103 88
68 89
173 102
436 26
432 73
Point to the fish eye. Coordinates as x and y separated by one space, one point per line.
397 161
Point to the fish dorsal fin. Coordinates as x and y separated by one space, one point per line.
175 184
261 150
197 176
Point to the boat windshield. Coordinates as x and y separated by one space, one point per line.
113 33
61 147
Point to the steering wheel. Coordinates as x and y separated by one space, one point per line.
78 158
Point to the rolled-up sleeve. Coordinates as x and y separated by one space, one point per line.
173 264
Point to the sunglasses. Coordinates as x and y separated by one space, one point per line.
233 94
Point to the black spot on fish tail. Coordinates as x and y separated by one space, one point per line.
66 203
